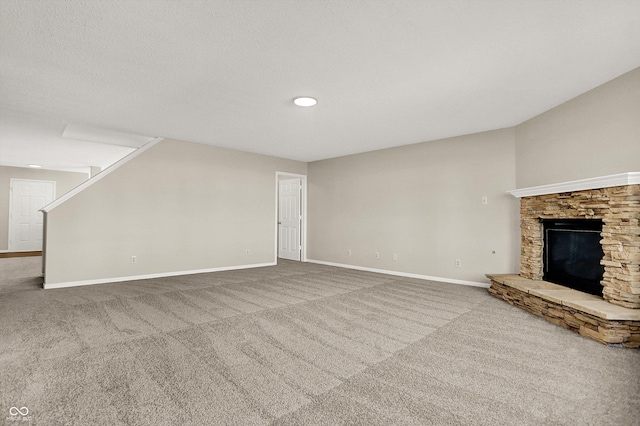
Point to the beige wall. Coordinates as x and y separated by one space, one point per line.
422 202
65 181
178 206
183 206
594 134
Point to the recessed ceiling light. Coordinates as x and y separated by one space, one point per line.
305 101
35 166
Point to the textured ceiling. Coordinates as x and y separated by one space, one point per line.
385 72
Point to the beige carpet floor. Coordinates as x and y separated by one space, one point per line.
296 344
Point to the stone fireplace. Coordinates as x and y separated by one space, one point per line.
615 200
619 209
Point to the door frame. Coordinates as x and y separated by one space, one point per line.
303 211
9 225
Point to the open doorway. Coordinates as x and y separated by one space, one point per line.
291 216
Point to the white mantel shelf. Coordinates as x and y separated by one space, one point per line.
621 179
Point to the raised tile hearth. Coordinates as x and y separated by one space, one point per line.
583 313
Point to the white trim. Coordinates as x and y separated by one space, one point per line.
303 178
149 276
621 179
96 178
403 274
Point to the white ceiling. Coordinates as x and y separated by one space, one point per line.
385 72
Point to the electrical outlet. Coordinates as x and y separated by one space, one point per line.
134 259
246 252
395 257
485 200
349 251
377 255
458 262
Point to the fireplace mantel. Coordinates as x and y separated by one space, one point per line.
620 179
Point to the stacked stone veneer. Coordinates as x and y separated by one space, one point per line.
609 332
619 209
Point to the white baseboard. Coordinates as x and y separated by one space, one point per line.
259 265
149 276
402 274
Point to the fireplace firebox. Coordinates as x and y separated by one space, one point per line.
572 253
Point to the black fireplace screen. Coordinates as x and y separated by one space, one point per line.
572 253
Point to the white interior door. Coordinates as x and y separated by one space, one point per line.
289 219
25 220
